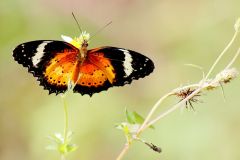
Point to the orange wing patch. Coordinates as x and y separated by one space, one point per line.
92 72
61 69
91 75
103 64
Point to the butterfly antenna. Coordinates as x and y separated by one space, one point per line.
77 22
101 29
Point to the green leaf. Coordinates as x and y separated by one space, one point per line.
135 118
130 117
139 119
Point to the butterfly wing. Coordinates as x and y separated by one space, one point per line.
110 66
52 62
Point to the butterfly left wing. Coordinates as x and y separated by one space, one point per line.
116 67
52 62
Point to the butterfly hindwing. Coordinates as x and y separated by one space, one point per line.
92 79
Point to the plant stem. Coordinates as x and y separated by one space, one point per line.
152 111
158 104
221 54
173 108
65 131
124 151
143 126
145 123
234 59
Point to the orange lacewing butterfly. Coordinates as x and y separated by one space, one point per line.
56 63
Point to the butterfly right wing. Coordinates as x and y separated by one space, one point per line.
106 67
121 64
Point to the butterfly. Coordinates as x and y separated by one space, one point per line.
57 63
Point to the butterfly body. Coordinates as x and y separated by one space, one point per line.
56 63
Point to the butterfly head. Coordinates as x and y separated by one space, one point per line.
84 39
79 42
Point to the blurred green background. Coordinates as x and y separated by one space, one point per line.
171 32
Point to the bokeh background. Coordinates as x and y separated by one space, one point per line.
171 32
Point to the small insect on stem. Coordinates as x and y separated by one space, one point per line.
185 93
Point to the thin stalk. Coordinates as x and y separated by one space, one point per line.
124 151
234 59
221 54
66 118
152 111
